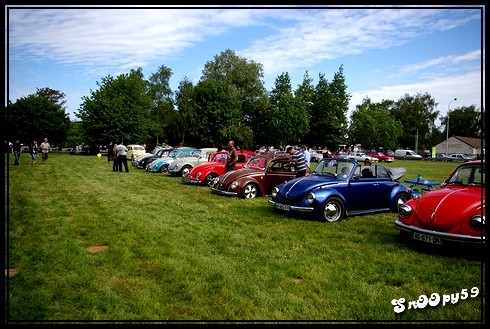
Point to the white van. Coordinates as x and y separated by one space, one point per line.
407 155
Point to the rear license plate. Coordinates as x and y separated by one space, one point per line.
284 207
427 238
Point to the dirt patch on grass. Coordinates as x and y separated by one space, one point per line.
96 249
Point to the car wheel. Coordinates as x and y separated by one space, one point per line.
164 168
400 199
250 191
185 170
210 179
333 210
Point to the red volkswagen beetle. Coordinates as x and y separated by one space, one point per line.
453 213
205 173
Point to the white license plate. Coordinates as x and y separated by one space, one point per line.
427 238
284 207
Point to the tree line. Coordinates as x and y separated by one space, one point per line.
230 102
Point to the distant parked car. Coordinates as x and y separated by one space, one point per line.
161 165
382 157
407 155
338 188
134 151
459 157
181 166
361 157
257 178
142 161
205 173
316 156
453 213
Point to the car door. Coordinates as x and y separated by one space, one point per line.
370 193
278 172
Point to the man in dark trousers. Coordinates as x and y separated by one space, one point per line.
232 157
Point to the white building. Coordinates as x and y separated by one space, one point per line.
459 144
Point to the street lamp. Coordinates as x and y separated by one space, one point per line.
447 123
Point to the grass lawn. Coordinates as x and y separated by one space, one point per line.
88 244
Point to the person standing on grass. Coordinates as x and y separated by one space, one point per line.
300 161
45 150
17 149
306 154
113 152
110 156
121 156
33 151
232 157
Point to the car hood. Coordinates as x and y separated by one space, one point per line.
297 187
206 166
443 209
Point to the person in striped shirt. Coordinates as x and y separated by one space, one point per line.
300 160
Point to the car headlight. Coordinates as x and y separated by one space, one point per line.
234 185
310 198
478 223
274 192
404 210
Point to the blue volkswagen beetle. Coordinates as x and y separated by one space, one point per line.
341 187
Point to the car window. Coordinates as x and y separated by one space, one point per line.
220 157
468 175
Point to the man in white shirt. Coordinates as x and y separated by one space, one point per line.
306 154
121 156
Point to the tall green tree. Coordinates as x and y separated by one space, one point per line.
219 113
37 116
417 114
245 83
373 126
119 110
328 122
162 106
463 121
184 98
288 121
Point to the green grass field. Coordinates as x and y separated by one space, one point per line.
88 244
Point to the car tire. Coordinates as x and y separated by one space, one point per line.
400 199
164 169
209 181
250 191
333 210
185 169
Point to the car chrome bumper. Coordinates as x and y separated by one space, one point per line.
189 180
442 235
287 207
225 193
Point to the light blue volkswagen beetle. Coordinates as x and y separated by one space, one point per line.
160 165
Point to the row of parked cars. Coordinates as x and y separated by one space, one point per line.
341 187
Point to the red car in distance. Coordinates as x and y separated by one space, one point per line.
205 173
382 157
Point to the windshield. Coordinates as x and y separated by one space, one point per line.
469 175
334 167
221 157
257 163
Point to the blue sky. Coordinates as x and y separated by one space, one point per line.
386 52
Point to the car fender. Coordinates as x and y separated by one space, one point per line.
257 179
322 194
